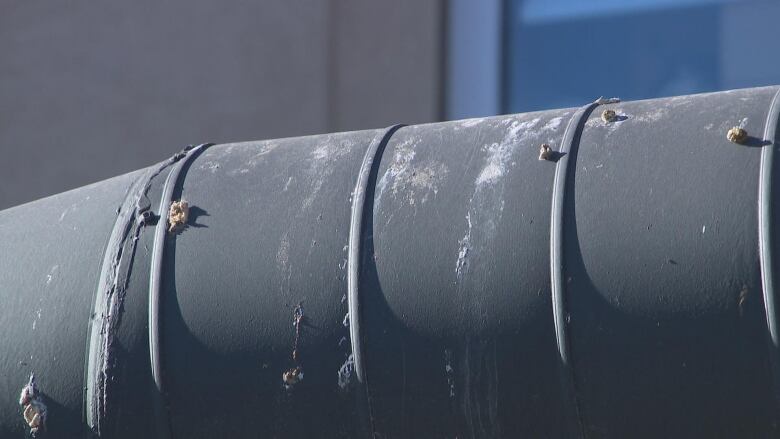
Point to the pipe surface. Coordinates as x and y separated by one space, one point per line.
432 281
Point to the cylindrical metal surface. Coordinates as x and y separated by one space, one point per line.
623 286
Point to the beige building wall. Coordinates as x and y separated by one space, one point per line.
89 90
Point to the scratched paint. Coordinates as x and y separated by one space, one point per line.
414 182
255 153
345 372
486 203
322 160
283 263
461 264
403 155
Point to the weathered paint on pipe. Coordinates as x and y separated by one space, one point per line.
446 243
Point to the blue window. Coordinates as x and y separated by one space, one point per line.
562 53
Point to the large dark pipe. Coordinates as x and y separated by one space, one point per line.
451 280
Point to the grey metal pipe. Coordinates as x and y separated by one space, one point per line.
445 280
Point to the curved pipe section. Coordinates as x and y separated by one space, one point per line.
400 283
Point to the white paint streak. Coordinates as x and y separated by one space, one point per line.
321 163
468 123
653 116
462 263
37 317
345 372
411 179
500 153
210 166
486 204
50 276
553 124
283 254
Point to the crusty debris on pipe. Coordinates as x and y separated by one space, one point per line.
34 409
178 215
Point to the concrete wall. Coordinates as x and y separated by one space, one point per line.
89 90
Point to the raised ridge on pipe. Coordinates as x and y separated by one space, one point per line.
99 333
569 142
369 166
163 426
134 212
765 239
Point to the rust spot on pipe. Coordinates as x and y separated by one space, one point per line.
609 116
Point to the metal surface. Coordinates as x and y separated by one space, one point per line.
155 281
367 174
766 206
419 281
568 147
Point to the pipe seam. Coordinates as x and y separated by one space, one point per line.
368 169
570 141
766 237
163 426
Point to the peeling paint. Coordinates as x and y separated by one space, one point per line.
258 152
486 203
449 372
462 263
412 181
321 164
283 262
50 276
402 157
500 153
553 124
742 299
37 317
345 372
35 411
655 115
210 165
132 217
283 253
468 123
294 375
